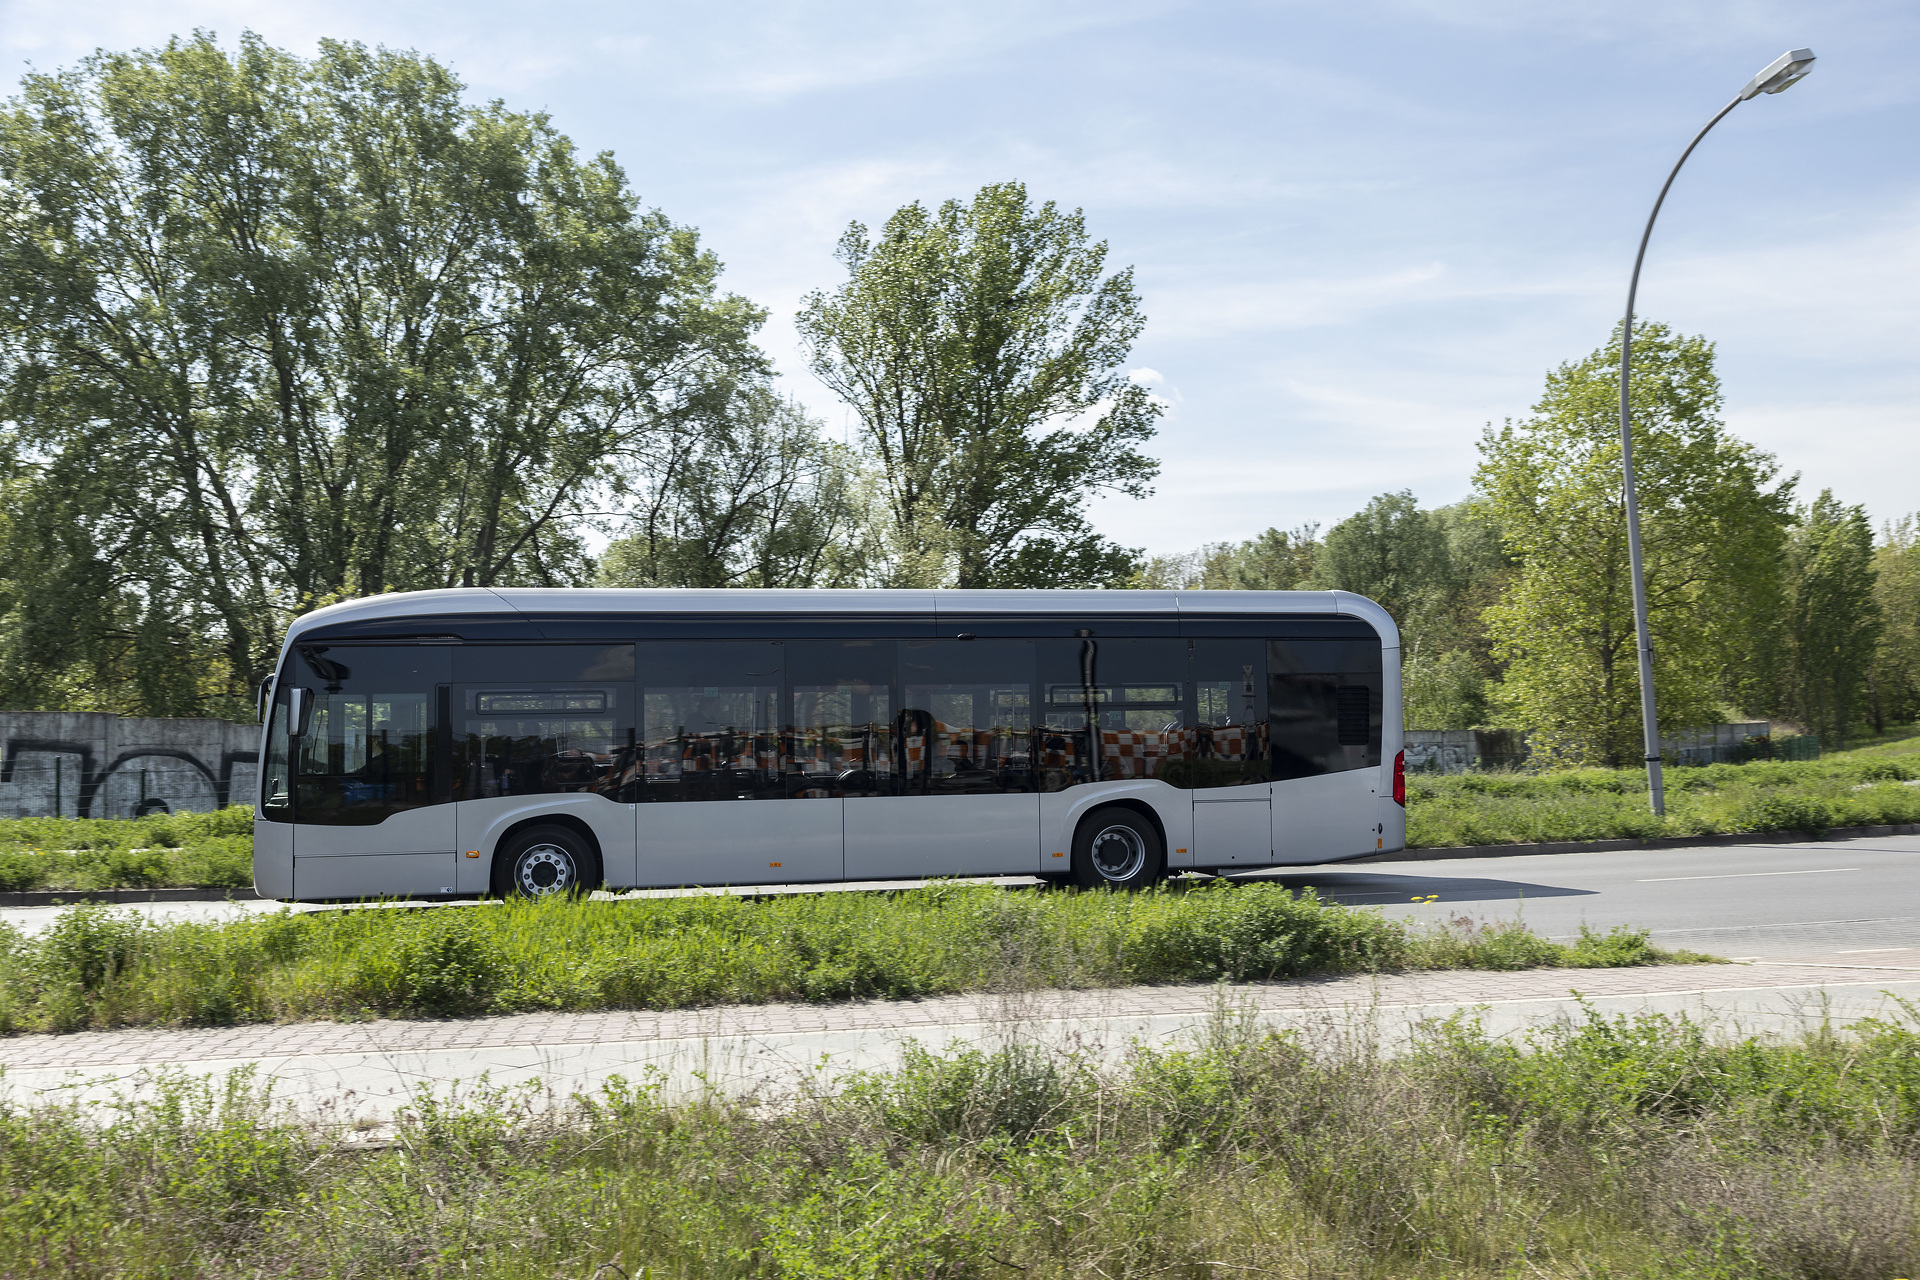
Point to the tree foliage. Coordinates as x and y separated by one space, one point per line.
1713 520
981 347
1894 678
1831 618
274 332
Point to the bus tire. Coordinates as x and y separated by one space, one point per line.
1117 848
545 862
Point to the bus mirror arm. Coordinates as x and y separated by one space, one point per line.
263 699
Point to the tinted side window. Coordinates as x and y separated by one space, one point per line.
710 720
1324 705
1229 734
839 733
1112 708
543 719
371 742
966 716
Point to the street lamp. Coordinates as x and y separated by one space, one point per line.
1782 73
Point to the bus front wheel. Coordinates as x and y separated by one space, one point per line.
1117 848
544 862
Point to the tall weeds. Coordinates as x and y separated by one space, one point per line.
1616 1147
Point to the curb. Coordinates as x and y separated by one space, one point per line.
61 897
1663 842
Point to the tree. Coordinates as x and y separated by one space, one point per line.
1894 679
981 347
752 497
275 332
1274 561
1389 551
1713 522
1832 619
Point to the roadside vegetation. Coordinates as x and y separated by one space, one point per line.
1869 786
1626 1148
96 967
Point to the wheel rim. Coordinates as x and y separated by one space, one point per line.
544 870
1119 853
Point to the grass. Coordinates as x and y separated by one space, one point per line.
1864 787
213 850
1626 1149
98 967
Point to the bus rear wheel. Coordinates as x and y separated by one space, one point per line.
544 862
1117 848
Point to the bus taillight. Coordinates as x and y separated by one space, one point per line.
1400 779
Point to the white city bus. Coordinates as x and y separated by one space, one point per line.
472 742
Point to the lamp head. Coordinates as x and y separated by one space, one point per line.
1783 72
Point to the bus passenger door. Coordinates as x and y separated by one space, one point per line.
369 799
724 797
953 791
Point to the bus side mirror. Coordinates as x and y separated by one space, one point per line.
299 707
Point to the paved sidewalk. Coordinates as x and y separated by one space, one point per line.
365 1070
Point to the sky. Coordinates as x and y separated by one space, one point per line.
1361 231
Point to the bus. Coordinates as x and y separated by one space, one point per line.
533 742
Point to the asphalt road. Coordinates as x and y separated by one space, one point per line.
1829 902
1833 901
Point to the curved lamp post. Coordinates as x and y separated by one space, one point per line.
1783 72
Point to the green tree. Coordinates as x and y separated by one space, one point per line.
1713 519
982 348
1894 679
1389 551
275 332
1832 619
752 497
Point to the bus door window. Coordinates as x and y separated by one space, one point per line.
840 727
710 720
1324 705
1113 709
1229 735
369 746
542 720
966 717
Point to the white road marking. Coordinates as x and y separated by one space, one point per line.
1744 875
1861 951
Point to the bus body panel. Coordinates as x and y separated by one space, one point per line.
482 824
740 842
889 837
353 876
1326 819
1233 828
272 857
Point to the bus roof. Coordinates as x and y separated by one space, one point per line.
551 602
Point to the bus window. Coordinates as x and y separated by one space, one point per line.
1229 747
710 717
840 731
1112 709
368 750
966 716
542 720
1324 703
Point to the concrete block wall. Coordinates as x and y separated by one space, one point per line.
94 764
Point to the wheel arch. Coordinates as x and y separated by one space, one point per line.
564 820
1138 806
